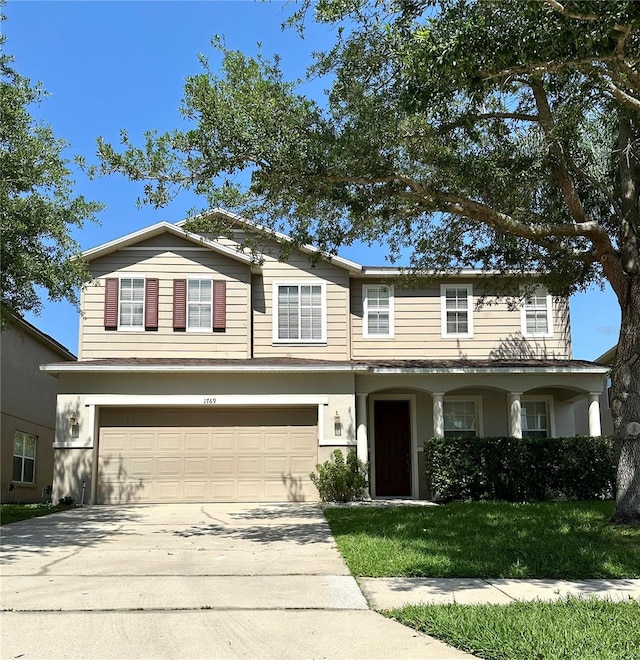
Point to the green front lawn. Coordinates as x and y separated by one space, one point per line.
558 540
10 513
575 628
563 540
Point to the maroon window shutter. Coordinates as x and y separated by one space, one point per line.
219 305
179 304
151 304
111 303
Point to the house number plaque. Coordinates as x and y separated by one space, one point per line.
209 400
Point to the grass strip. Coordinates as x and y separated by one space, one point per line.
584 628
555 540
10 513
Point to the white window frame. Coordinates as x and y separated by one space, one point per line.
131 276
477 400
365 312
23 456
208 328
274 304
548 308
443 311
548 401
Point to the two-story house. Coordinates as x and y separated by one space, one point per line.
27 411
205 374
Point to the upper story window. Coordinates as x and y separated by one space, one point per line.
457 310
299 313
131 313
24 457
377 300
199 305
131 303
461 418
536 314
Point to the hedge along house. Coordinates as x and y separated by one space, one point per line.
207 375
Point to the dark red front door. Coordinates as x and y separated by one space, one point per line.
392 428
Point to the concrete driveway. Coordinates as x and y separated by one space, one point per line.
189 581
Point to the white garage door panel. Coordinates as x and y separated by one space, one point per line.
212 455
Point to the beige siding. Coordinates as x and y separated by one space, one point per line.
418 331
167 258
299 269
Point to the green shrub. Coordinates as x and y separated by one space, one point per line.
340 480
520 469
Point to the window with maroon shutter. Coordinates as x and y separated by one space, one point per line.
151 304
219 305
179 304
111 286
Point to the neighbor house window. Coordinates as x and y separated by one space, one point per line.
377 310
24 457
457 314
299 313
131 312
535 419
199 305
461 419
536 314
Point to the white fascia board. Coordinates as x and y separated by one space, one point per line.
351 266
155 230
490 370
376 271
122 368
212 400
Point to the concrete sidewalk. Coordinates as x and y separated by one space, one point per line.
389 593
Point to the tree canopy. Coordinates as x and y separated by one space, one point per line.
490 134
37 207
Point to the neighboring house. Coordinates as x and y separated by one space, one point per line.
205 374
28 406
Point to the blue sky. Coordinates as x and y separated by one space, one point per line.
122 65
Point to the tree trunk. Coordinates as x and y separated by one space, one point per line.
625 408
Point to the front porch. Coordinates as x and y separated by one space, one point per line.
398 407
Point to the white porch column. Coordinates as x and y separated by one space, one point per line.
362 439
438 415
515 415
594 414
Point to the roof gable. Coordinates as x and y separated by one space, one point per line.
251 226
156 230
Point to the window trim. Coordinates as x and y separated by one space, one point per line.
131 276
443 312
208 329
274 311
366 334
548 401
477 400
548 309
22 456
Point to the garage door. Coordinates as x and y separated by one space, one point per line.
207 455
